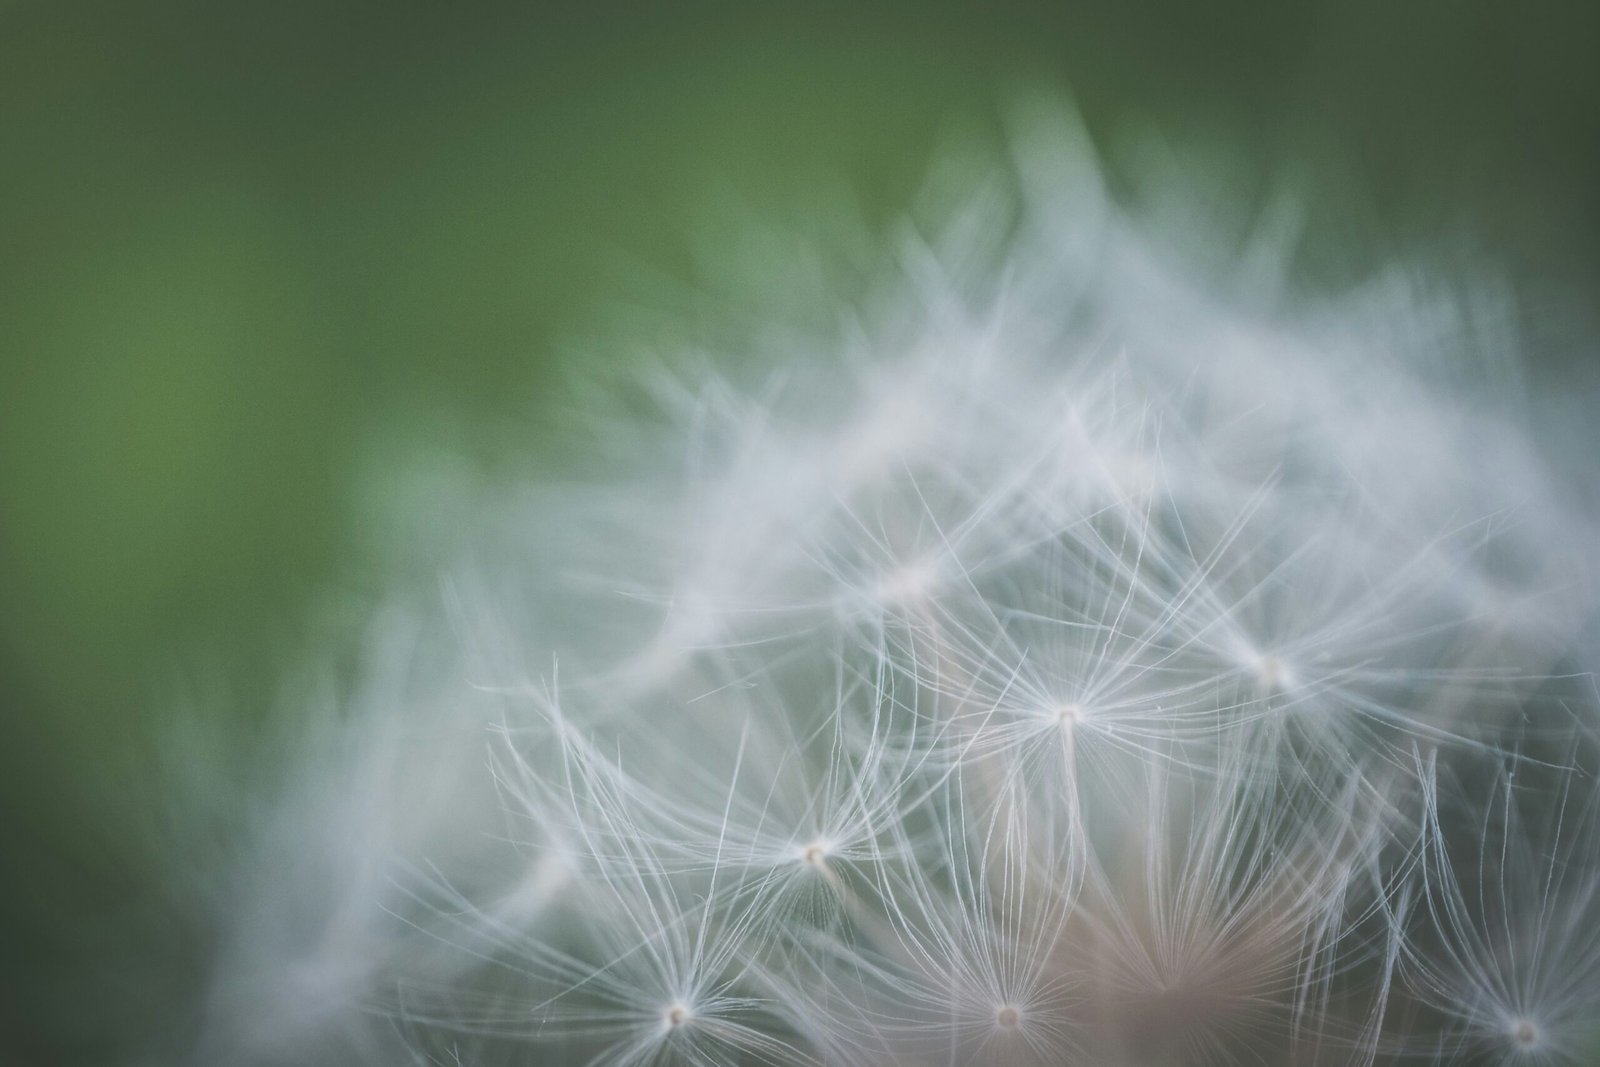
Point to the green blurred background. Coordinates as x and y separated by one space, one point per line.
243 245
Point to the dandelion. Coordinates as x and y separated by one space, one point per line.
1034 672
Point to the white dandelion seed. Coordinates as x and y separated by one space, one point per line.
1509 948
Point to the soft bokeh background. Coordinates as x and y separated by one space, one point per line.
247 248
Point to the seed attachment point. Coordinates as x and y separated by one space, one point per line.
1273 673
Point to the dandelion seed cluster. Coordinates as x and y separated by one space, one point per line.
1081 662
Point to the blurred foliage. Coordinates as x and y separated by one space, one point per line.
238 238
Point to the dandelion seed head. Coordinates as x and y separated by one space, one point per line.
1015 684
